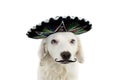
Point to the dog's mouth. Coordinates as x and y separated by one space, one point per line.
66 61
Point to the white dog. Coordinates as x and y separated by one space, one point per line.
59 56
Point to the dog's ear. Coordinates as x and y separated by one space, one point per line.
42 51
79 54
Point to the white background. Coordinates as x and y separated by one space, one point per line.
18 53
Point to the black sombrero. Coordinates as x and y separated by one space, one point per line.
59 24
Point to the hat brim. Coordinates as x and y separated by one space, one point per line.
74 25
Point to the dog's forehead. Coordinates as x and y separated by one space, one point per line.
62 35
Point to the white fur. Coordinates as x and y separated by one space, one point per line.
49 69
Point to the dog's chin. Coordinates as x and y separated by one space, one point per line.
66 61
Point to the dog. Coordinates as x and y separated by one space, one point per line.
60 53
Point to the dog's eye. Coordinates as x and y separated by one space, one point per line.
72 41
54 41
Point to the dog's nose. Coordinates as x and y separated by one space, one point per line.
65 55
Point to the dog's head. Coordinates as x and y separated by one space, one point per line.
63 47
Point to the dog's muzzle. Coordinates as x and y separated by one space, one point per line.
66 61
